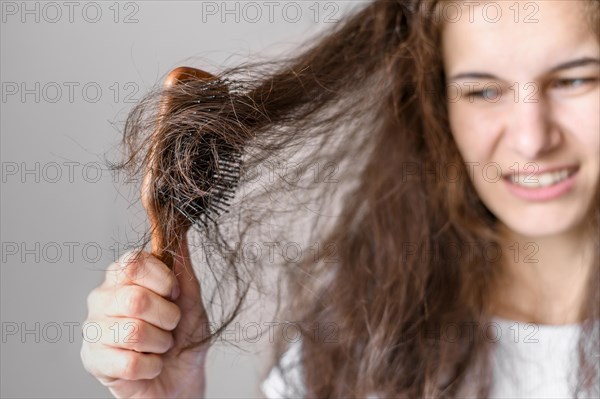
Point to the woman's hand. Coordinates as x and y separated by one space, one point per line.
143 314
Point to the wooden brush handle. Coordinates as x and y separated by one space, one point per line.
181 74
159 247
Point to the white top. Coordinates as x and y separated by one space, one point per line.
530 361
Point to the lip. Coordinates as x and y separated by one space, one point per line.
527 172
544 193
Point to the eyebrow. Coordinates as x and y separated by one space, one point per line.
567 65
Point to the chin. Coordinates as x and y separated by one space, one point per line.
540 223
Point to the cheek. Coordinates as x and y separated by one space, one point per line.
473 132
580 119
590 130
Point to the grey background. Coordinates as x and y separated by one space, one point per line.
62 216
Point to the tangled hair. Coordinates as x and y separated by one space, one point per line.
362 110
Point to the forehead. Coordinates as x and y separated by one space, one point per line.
505 35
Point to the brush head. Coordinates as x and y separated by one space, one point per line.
193 171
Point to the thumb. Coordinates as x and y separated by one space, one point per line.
194 324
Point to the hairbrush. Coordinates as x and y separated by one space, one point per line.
212 164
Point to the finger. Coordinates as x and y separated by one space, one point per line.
140 303
107 363
194 324
134 334
141 268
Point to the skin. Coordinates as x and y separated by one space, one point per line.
552 121
164 307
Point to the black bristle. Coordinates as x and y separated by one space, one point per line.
216 167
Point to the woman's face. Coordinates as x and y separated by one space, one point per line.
523 103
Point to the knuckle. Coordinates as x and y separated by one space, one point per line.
130 263
136 301
135 334
129 367
132 268
129 273
132 256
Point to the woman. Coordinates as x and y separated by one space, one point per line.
468 135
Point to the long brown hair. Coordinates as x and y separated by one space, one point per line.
402 245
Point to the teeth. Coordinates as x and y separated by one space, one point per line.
541 180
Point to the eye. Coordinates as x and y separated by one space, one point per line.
573 83
491 94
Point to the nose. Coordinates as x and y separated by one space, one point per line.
530 130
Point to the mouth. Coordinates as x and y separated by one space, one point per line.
548 184
547 178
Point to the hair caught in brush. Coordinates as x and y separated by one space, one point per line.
353 109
